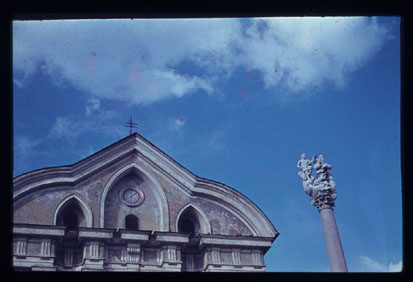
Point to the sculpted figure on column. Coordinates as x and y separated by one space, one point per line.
305 167
322 189
325 178
305 173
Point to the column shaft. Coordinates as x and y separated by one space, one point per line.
333 243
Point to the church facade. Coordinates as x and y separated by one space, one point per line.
130 207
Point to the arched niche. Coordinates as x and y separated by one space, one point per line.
156 190
73 211
192 219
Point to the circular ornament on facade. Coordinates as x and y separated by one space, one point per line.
131 196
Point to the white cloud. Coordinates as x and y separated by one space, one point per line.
103 121
24 146
137 60
216 139
92 105
310 51
64 128
24 151
367 264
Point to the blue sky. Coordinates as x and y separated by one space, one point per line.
236 101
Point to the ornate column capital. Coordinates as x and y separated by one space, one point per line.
322 188
324 199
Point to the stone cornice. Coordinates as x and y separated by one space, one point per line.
148 238
70 170
177 238
57 176
95 233
235 241
41 230
133 236
166 163
185 186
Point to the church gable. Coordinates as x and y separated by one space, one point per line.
132 185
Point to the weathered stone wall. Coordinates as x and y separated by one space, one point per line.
91 189
176 198
38 207
222 221
148 212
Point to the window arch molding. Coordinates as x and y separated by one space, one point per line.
87 212
158 191
205 226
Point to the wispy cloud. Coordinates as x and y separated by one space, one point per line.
138 60
216 140
18 83
71 128
92 105
63 138
24 149
367 264
64 128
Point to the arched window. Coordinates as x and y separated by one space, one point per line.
193 221
70 220
70 215
131 222
187 224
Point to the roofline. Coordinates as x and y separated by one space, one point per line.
106 148
72 165
236 191
197 179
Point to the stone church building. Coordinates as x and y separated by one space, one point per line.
130 207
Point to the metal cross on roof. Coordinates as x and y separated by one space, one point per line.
131 125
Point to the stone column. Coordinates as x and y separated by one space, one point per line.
322 191
324 201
